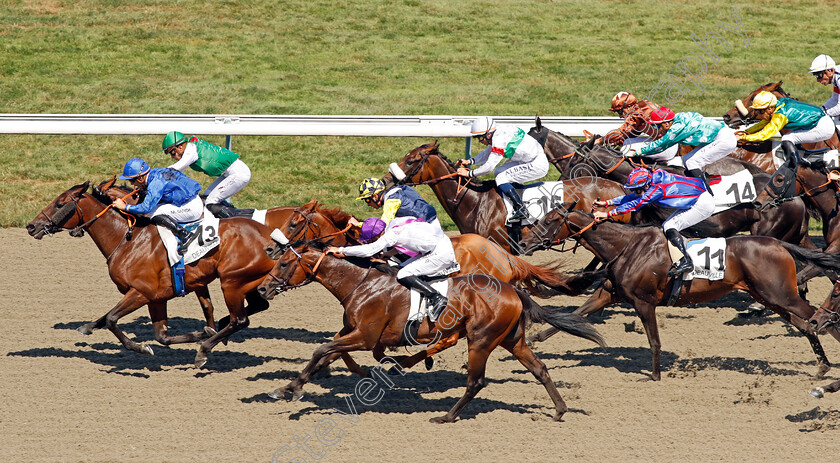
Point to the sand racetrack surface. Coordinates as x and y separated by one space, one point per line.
733 388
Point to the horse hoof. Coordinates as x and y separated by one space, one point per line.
85 330
209 331
529 341
200 358
429 362
146 349
440 420
558 417
817 392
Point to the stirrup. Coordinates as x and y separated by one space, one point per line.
182 247
439 303
678 268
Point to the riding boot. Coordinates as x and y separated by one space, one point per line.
520 212
220 211
684 264
791 155
699 174
184 237
436 301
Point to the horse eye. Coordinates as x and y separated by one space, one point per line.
283 265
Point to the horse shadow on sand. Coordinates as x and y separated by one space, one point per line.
117 359
405 395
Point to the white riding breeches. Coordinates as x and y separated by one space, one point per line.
820 132
725 142
701 210
513 172
189 212
638 143
233 179
439 259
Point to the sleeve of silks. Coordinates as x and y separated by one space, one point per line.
367 250
832 106
389 209
766 129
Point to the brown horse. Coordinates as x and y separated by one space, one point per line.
138 265
486 311
474 253
638 268
825 318
476 206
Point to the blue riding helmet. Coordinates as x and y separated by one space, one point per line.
638 178
134 168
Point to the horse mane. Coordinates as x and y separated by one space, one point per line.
321 244
435 151
335 215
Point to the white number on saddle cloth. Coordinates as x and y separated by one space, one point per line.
830 158
708 256
207 240
733 190
416 312
539 198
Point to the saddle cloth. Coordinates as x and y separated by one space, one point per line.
539 198
207 239
732 190
258 215
708 256
418 311
830 157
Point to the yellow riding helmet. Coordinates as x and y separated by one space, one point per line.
369 187
763 100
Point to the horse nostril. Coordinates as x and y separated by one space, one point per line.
813 323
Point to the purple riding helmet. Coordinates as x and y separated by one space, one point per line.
371 228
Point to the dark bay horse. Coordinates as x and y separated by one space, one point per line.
138 265
486 311
638 267
826 317
476 206
474 253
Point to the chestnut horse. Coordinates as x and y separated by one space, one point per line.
476 206
474 253
138 265
638 269
486 311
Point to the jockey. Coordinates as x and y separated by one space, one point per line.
637 130
527 159
668 190
171 197
712 139
214 161
399 201
434 253
805 122
825 70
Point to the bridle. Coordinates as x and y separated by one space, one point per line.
56 222
417 168
548 243
283 284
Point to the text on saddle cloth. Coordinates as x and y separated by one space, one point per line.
732 190
708 257
539 198
206 240
829 157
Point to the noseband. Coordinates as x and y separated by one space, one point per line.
283 285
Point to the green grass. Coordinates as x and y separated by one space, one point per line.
367 57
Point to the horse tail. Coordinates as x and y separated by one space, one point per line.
535 278
810 256
572 323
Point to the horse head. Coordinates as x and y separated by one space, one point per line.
295 267
423 163
741 114
62 213
552 229
828 313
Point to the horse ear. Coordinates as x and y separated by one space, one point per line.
311 205
538 122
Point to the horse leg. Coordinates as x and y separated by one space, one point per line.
235 301
354 340
88 328
203 295
131 301
820 391
443 344
526 356
476 365
157 312
647 313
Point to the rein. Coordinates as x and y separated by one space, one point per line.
419 167
284 286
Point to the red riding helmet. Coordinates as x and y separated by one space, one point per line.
638 178
622 100
663 114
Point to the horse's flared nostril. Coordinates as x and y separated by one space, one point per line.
813 324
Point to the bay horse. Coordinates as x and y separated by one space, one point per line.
826 317
474 253
475 205
138 265
638 265
488 312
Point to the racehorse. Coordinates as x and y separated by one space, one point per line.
638 268
474 205
138 265
474 253
826 317
485 310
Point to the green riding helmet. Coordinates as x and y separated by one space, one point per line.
369 187
173 138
